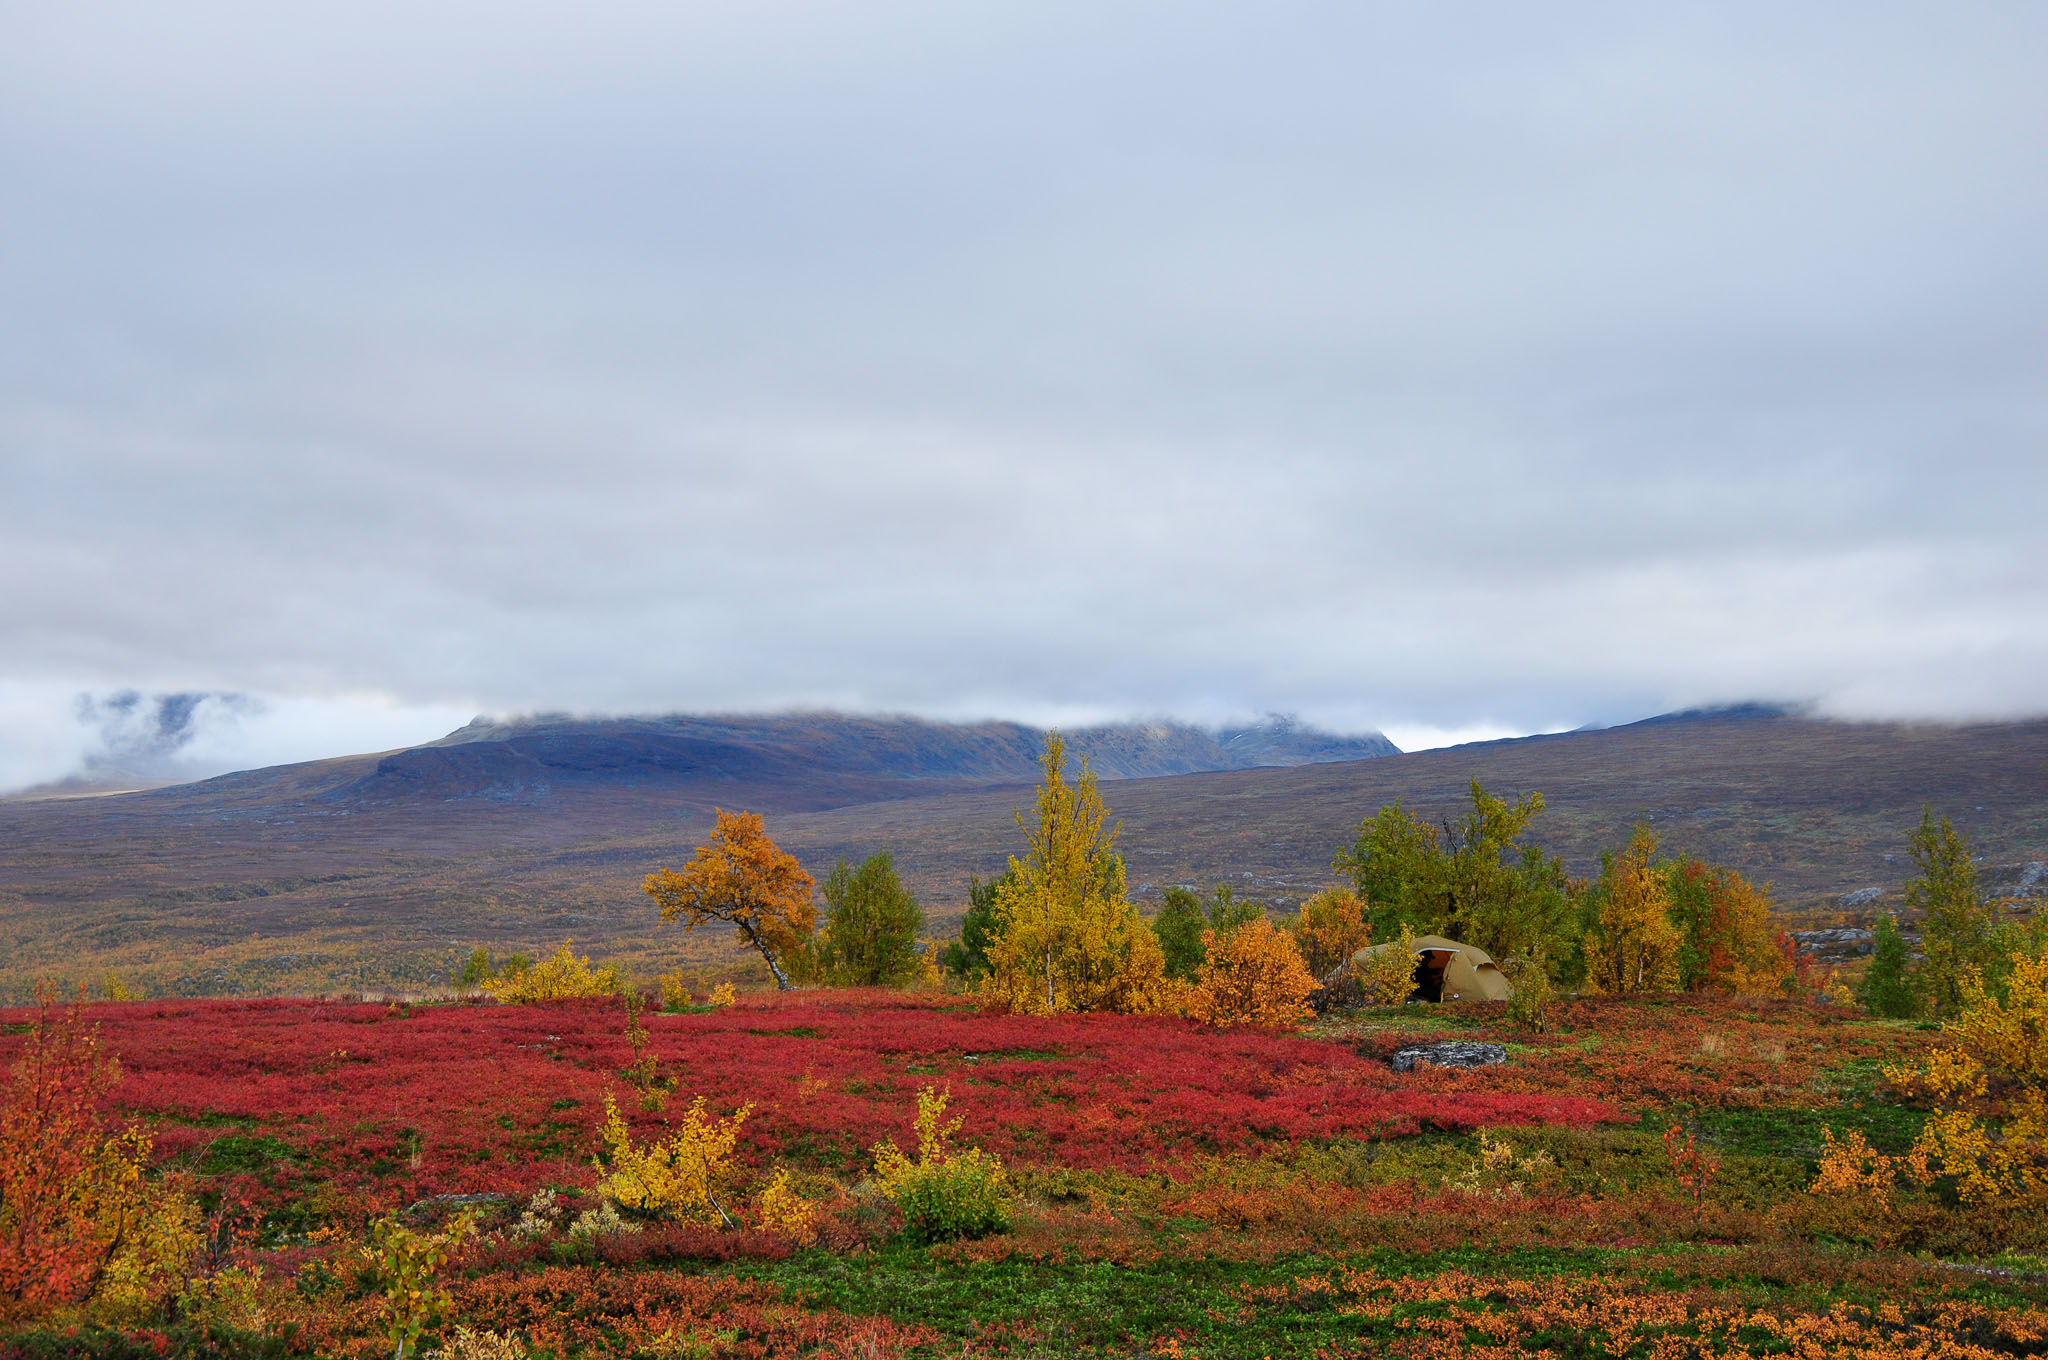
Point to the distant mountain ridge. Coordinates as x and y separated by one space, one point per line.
390 867
821 753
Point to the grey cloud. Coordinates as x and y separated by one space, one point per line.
147 729
1451 367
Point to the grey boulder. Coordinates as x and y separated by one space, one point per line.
1450 1053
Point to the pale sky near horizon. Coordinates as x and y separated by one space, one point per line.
1454 370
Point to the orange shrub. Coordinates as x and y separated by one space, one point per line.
1252 976
75 1213
1330 928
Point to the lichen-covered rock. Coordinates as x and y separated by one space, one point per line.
1449 1053
1842 942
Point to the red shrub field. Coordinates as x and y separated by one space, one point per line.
407 1102
1638 1175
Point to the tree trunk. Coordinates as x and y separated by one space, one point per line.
782 982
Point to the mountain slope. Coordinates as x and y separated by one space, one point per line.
804 760
345 872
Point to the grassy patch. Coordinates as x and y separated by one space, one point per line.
236 1154
1090 1305
204 1119
1087 1307
1017 1055
1796 1134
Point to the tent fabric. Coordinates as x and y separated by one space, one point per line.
1471 974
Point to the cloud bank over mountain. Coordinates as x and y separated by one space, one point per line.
128 739
1443 368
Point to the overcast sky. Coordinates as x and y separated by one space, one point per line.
1440 368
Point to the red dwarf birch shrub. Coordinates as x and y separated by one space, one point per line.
75 1212
599 1311
351 1111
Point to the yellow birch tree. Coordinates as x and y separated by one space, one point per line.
1633 945
1066 938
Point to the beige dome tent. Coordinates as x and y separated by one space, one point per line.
1448 971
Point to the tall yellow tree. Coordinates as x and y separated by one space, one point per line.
1632 945
743 877
1066 938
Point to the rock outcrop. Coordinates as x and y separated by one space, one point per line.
1449 1053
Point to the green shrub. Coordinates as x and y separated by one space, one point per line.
943 1192
964 1197
871 935
1888 986
967 957
401 1263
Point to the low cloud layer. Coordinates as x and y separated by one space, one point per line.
1440 369
127 739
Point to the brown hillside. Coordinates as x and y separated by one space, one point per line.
275 880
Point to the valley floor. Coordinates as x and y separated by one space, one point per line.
1633 1181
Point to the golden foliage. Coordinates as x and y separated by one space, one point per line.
742 877
1999 1161
562 976
1330 928
1386 977
2007 1164
1742 957
1138 984
931 972
473 1345
676 1177
1066 938
786 1213
2010 1035
1857 1186
1850 1166
1634 946
160 1237
1253 975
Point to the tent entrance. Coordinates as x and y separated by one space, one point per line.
1430 965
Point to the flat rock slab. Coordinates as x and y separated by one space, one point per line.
1450 1053
1844 940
